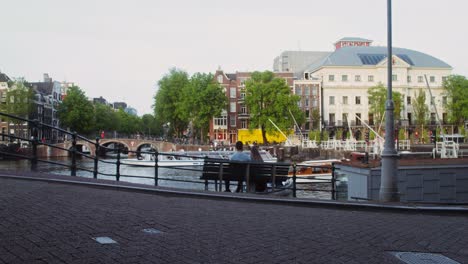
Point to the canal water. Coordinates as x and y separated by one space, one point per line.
187 178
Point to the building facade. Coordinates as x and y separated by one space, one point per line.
225 129
347 74
4 80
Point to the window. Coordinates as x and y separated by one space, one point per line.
371 119
408 78
420 79
232 107
344 78
298 90
331 78
242 95
444 78
314 91
307 90
232 121
394 78
244 124
357 78
444 100
331 100
345 100
331 118
358 100
433 100
314 103
358 119
306 102
344 117
408 100
432 79
369 100
233 92
370 78
220 79
243 109
307 113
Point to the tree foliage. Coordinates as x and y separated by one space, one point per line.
182 101
269 98
76 112
169 108
456 88
203 100
106 119
420 107
19 99
377 97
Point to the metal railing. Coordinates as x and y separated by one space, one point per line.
155 161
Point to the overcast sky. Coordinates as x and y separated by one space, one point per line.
120 49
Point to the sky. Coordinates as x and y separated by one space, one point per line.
120 49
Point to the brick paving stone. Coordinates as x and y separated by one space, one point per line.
44 222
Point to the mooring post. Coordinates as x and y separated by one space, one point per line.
96 159
73 151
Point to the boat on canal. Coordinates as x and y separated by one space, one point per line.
314 170
185 158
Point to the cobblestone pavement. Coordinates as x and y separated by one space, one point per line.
46 222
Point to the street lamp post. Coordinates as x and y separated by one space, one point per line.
389 174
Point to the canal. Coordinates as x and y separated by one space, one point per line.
187 178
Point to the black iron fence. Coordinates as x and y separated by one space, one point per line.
195 164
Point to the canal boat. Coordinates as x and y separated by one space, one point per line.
185 158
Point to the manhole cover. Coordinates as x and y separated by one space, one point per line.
152 231
423 258
105 240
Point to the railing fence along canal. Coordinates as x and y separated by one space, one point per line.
277 177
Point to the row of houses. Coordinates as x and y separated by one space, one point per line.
335 84
48 95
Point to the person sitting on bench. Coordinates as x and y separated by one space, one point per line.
239 155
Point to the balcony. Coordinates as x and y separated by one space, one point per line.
243 115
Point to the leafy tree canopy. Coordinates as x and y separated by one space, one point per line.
269 98
168 105
456 88
378 96
420 107
19 99
76 112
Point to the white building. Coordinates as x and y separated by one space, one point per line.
348 73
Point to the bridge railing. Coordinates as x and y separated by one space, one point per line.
78 162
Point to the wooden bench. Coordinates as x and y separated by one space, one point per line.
253 173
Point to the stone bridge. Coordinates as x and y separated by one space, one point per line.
132 145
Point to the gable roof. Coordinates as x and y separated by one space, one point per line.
4 77
363 55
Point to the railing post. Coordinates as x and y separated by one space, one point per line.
73 165
117 174
34 143
294 180
96 158
333 182
156 168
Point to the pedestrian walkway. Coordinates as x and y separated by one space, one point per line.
44 221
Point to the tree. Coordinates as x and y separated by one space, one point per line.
269 98
19 102
106 118
76 112
420 108
203 100
129 124
377 97
456 88
168 107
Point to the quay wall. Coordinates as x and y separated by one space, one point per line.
428 183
